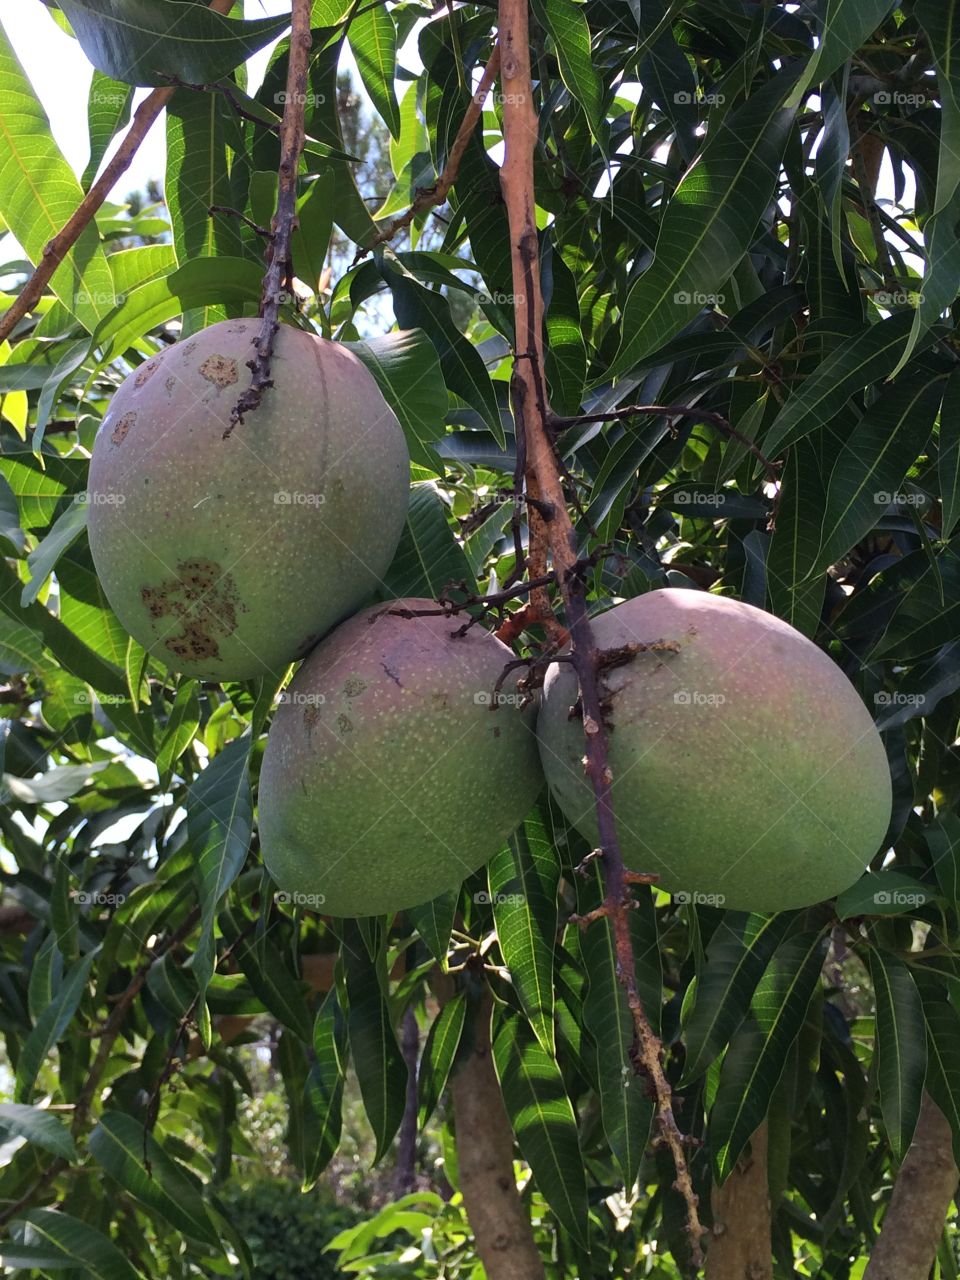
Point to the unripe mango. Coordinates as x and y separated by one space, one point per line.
747 772
391 772
229 557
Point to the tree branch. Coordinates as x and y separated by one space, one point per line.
920 1202
55 250
497 1215
740 1239
556 423
279 264
428 197
531 415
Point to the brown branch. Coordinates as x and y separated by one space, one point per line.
428 197
279 263
531 416
556 423
55 250
498 1216
740 1238
925 1185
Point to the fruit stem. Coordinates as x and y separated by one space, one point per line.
542 471
279 272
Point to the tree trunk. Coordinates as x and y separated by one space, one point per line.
405 1175
925 1185
740 1241
501 1225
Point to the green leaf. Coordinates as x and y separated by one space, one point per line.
566 353
39 192
429 557
524 878
737 956
542 1119
196 179
927 610
438 1055
872 464
901 1048
710 222
50 1026
324 1088
41 1128
373 39
42 560
10 518
182 725
948 456
756 1056
141 1166
269 974
461 364
846 26
433 921
943 841
108 110
20 648
378 1062
173 985
77 1243
148 42
626 1108
943 1050
567 24
201 283
407 371
865 357
883 893
219 824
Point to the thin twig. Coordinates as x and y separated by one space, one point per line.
55 250
279 264
428 197
557 423
531 415
235 213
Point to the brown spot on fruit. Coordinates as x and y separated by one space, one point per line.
203 600
344 724
123 426
353 686
310 717
220 370
146 372
170 385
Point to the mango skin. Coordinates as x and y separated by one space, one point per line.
227 559
746 770
387 778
